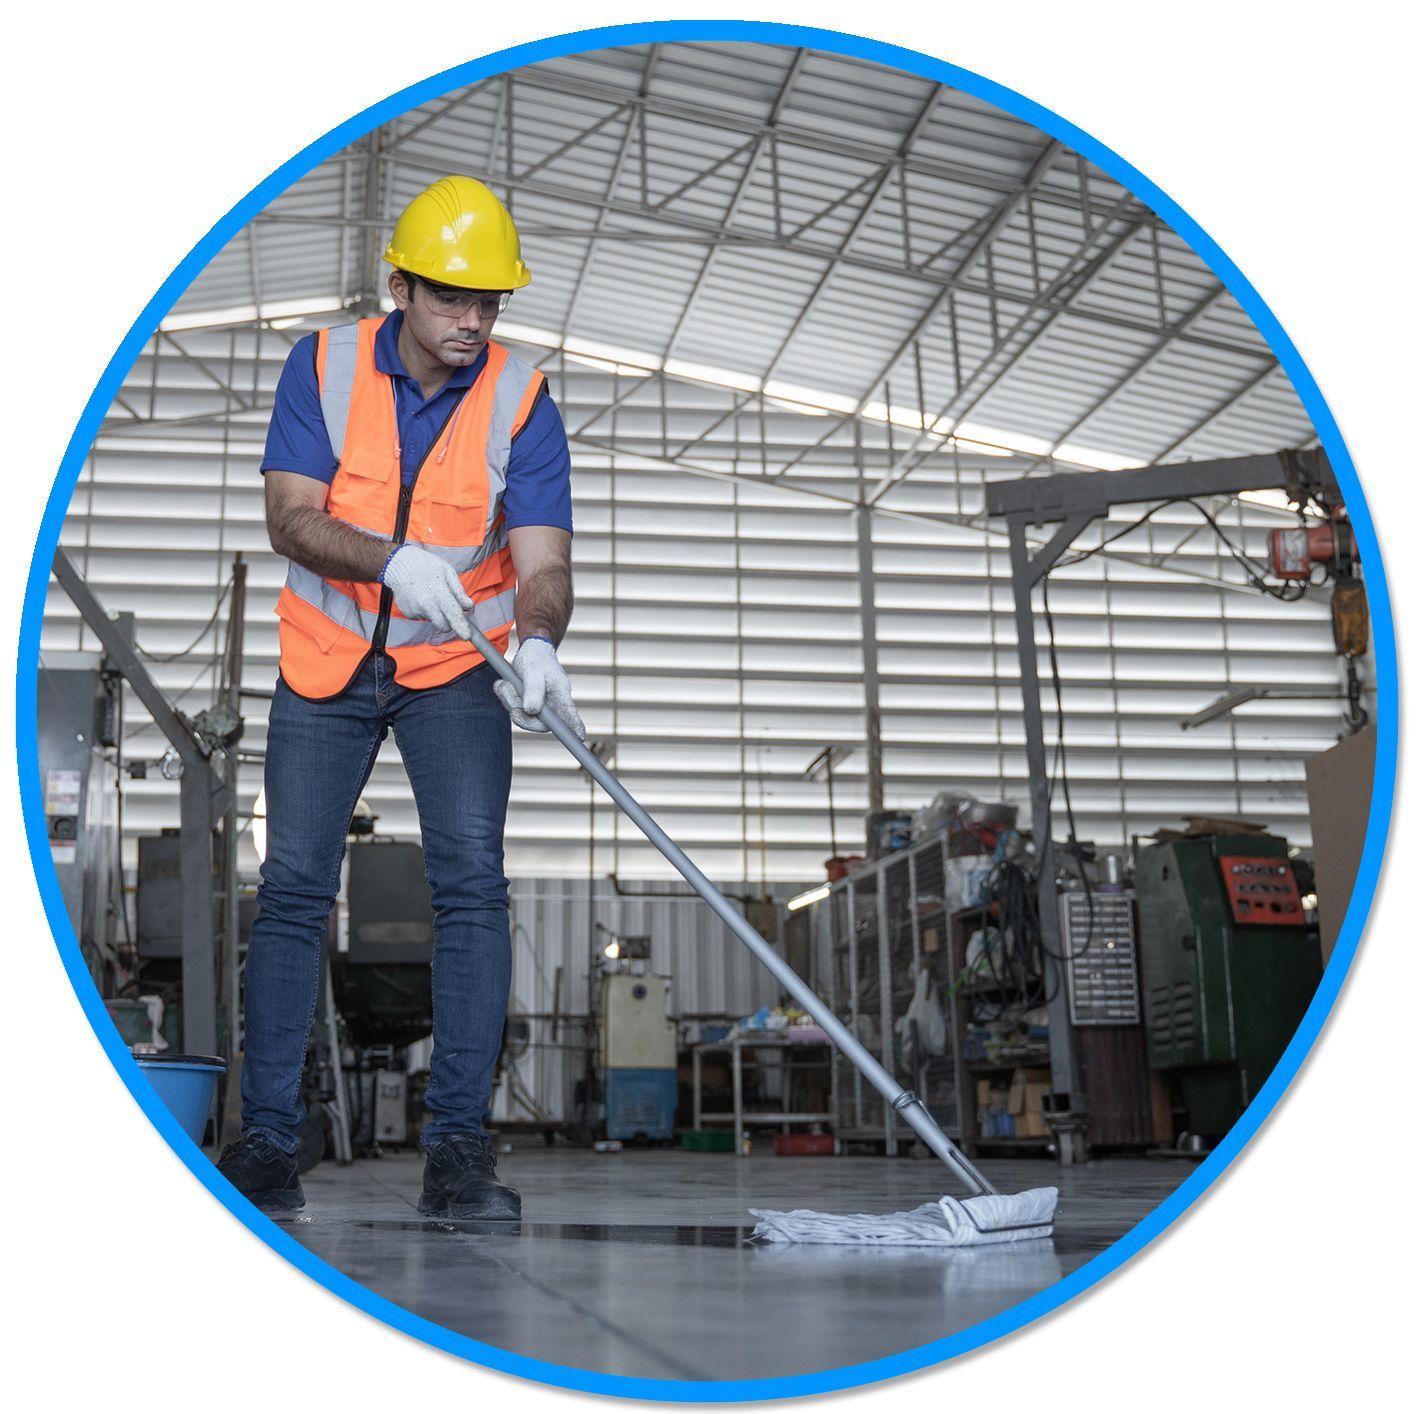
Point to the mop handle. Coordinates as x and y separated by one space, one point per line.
905 1102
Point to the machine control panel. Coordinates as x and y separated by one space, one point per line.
1262 890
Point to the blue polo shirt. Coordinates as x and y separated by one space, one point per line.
538 474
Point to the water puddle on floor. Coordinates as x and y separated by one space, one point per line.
683 1235
650 1234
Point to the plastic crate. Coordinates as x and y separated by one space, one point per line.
803 1144
709 1141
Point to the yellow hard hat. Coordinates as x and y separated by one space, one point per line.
458 233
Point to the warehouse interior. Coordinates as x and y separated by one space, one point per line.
960 582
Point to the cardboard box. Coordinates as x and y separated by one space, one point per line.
1030 1125
991 1101
1026 1092
1027 1087
991 1094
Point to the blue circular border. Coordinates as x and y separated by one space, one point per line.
1384 650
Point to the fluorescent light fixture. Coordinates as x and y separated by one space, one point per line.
811 896
528 333
633 360
896 415
605 365
278 311
1089 456
709 373
1222 707
814 397
983 449
797 409
812 402
197 318
116 440
1007 442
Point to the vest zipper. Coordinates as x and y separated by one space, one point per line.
386 597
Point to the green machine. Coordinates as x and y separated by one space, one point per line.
1229 966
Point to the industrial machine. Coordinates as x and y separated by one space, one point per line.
1100 948
638 1054
1327 553
383 985
77 716
1105 1007
1230 964
159 899
201 758
1045 515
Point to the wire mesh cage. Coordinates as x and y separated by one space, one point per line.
883 926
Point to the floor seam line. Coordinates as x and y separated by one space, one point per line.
629 1338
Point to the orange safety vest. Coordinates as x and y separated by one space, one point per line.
328 627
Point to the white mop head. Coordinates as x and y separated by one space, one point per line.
951 1222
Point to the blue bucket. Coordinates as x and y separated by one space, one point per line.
186 1085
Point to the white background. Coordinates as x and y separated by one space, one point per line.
1282 128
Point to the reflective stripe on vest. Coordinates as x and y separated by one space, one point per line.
341 350
328 626
488 614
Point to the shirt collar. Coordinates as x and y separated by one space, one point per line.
388 361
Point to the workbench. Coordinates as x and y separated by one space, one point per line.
789 1049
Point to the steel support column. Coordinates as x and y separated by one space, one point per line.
870 669
1026 574
231 824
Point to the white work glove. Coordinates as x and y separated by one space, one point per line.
544 683
428 588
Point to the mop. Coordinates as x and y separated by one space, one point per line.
987 1216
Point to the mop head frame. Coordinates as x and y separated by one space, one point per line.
948 1222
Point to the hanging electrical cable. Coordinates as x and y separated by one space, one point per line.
201 634
1287 592
1061 774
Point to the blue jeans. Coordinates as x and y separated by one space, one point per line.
456 745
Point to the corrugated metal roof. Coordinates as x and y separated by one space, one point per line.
857 237
795 214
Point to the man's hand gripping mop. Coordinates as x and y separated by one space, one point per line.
988 1216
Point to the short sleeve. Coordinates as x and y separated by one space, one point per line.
539 471
296 439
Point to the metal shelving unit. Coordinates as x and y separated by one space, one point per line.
962 924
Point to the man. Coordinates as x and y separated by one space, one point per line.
416 475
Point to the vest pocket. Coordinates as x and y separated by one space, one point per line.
448 523
362 492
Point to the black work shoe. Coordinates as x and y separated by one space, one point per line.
460 1181
264 1173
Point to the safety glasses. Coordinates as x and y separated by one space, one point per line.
447 299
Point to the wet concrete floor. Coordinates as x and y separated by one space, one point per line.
638 1263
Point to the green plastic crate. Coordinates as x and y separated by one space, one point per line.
709 1141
